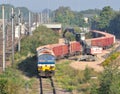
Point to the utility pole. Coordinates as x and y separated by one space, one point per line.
12 16
36 16
48 19
19 32
30 32
41 19
3 15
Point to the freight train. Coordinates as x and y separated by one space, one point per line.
106 40
49 53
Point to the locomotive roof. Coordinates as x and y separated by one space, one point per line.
44 50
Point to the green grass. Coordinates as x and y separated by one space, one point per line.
12 82
71 79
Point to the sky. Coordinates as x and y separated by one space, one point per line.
76 5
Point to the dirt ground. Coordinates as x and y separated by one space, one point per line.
81 65
96 65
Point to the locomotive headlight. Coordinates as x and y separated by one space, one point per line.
40 68
51 67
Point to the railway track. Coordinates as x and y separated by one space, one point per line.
47 86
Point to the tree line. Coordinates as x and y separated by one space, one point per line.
108 21
68 17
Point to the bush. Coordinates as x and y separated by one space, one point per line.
87 74
3 83
111 58
41 36
11 82
72 79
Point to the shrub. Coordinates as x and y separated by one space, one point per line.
3 83
41 36
111 58
72 79
87 74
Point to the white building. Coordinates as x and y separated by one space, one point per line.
17 28
22 28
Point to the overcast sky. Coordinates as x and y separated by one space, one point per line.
78 5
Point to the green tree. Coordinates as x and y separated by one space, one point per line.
78 20
8 8
115 25
68 17
94 22
41 36
104 18
91 12
64 15
110 80
115 86
105 81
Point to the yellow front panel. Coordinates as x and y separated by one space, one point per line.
43 68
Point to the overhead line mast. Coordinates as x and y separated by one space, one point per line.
12 17
19 33
3 15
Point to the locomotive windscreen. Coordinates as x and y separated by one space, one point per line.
46 59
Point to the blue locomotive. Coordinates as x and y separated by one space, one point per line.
46 62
